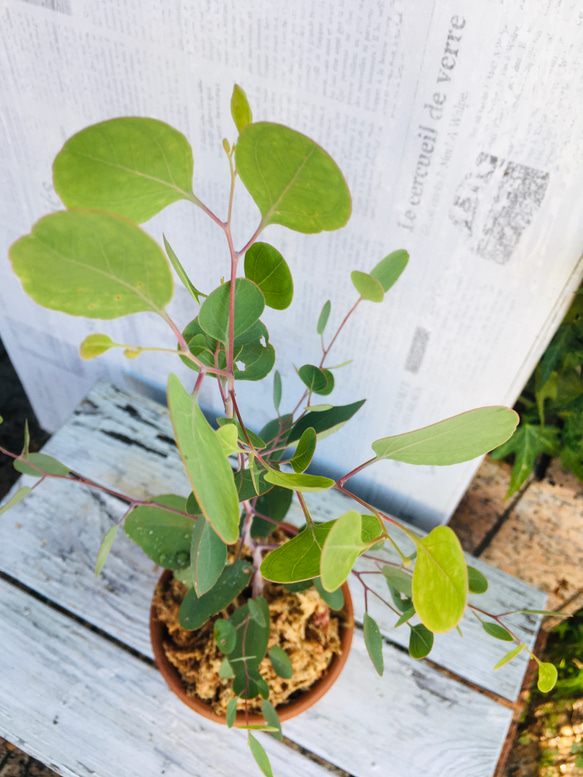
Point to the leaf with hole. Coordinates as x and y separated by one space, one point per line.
131 166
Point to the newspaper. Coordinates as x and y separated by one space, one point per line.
458 128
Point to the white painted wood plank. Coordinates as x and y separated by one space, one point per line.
57 557
86 707
83 705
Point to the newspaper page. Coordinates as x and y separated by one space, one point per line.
457 124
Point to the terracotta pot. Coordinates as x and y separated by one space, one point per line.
307 699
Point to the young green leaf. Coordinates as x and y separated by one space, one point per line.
323 318
104 549
440 580
509 656
213 315
271 718
374 642
195 611
497 631
164 536
326 422
231 712
240 110
334 599
181 272
95 345
342 547
131 166
225 635
547 677
477 583
208 554
460 438
277 389
207 468
266 267
256 613
226 671
15 499
102 266
389 269
305 451
295 482
420 641
368 287
228 437
43 462
256 440
260 756
293 181
282 666
320 381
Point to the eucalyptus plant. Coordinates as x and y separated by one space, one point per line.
93 260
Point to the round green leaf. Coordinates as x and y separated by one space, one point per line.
93 265
374 642
342 547
282 666
225 636
266 267
477 583
460 438
213 316
320 381
131 166
420 641
293 181
368 287
440 580
164 536
547 677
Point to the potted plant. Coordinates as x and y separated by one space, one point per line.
221 543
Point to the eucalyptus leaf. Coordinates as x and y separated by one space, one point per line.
374 642
299 558
295 482
207 468
104 549
225 635
420 641
181 272
260 756
164 536
304 451
131 166
398 579
231 712
271 718
208 554
326 422
320 381
44 462
15 498
281 663
460 438
266 267
323 317
477 583
334 599
547 677
228 438
102 266
389 269
240 110
342 547
367 286
256 613
277 389
250 648
213 315
95 345
194 610
497 631
275 503
405 616
509 656
440 580
226 671
293 181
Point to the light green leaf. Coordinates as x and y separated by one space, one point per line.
342 547
298 482
320 381
208 554
547 677
226 671
420 641
460 438
477 583
181 272
260 756
326 422
255 613
207 468
231 712
509 656
374 642
131 166
213 316
323 318
334 599
281 663
194 610
225 635
440 580
398 579
293 181
103 552
266 267
45 463
497 631
256 440
277 389
101 266
15 499
368 287
95 345
240 110
164 536
304 451
228 438
271 718
389 269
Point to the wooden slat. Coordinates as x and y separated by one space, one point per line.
100 441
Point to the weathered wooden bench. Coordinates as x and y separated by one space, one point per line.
79 690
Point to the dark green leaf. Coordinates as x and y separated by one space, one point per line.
527 442
305 451
374 642
305 483
477 583
282 666
325 422
192 506
213 315
367 286
271 718
277 389
260 756
43 462
275 504
15 499
266 267
181 272
102 266
231 712
256 613
334 599
389 269
320 381
240 110
497 631
323 318
250 649
225 635
131 166
103 552
398 579
195 611
406 615
559 345
208 554
420 641
164 536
